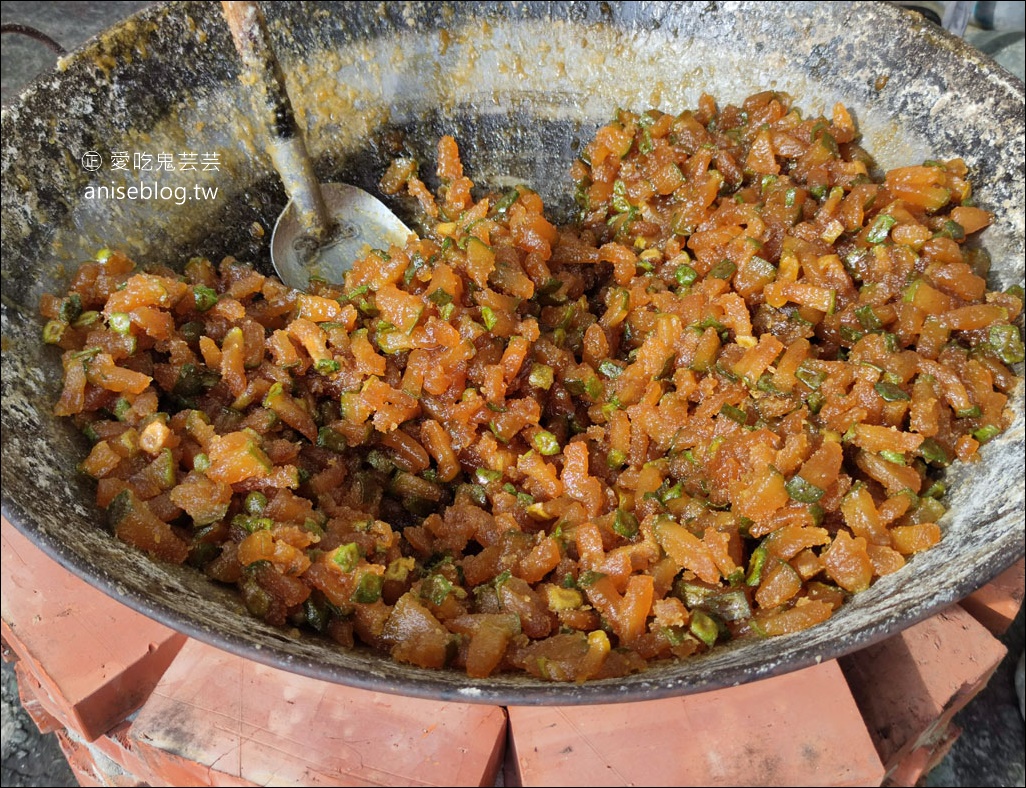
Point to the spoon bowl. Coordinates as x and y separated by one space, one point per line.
324 227
359 222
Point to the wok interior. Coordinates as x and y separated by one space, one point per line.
521 88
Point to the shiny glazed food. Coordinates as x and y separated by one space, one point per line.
709 409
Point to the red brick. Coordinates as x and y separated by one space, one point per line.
997 604
7 653
941 749
90 766
802 728
918 763
910 769
32 697
218 719
80 760
96 658
911 685
117 745
510 775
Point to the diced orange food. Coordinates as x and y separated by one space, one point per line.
712 407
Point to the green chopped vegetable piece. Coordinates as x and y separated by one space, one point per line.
815 402
765 383
727 372
726 604
191 331
368 590
935 490
969 413
868 317
124 503
755 566
931 451
276 390
893 456
506 201
610 368
890 392
810 377
930 510
192 381
329 439
802 491
86 355
986 432
1006 343
645 144
316 616
545 443
121 408
435 588
723 270
619 200
70 308
734 413
251 523
704 627
165 466
849 334
670 493
120 322
200 462
255 502
489 317
541 376
87 319
53 331
326 366
685 275
880 228
952 229
589 578
204 297
399 569
475 492
615 459
379 461
486 475
347 556
625 523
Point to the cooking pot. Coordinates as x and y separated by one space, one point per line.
521 87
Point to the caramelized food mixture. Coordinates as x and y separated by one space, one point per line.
710 408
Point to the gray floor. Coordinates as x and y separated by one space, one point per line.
990 751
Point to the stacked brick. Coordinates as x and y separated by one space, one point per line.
134 703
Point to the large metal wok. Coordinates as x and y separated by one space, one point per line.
520 86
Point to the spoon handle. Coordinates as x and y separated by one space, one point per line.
263 75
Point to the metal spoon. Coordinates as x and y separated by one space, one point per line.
323 228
